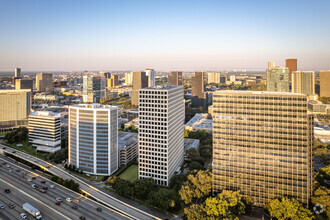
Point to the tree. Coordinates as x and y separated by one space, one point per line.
142 187
195 166
286 208
321 197
161 199
198 185
195 211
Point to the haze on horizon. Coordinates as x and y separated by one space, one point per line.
167 35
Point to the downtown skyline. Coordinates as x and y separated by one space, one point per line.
166 35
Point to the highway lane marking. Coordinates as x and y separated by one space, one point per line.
35 199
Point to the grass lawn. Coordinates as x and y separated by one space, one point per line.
3 134
130 174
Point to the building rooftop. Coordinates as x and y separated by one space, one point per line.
126 139
161 87
14 90
200 121
93 106
47 114
257 92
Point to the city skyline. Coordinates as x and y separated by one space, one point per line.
78 35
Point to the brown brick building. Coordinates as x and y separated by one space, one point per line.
175 78
292 65
198 95
325 83
140 80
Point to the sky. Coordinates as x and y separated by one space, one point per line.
69 35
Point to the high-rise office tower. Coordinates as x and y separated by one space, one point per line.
15 107
23 84
262 145
213 78
278 79
93 138
106 75
198 95
292 65
112 81
128 79
161 126
151 73
271 64
175 78
44 82
303 82
140 80
45 131
93 88
17 72
325 83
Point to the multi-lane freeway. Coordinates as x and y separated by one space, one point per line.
18 179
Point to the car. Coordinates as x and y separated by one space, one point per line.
42 181
51 186
42 190
77 200
34 186
23 173
69 200
34 177
45 188
74 207
13 152
7 190
2 206
18 170
4 148
58 199
98 209
23 215
10 171
82 217
11 205
29 180
57 203
8 166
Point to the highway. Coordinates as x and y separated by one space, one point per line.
126 210
22 192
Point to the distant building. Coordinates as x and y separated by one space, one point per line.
317 107
43 96
93 88
93 138
262 145
303 82
106 75
175 78
292 65
325 83
151 74
128 147
44 82
213 78
232 78
24 84
140 80
198 95
200 122
15 107
17 72
129 79
161 142
278 79
45 131
223 79
271 65
112 81
59 83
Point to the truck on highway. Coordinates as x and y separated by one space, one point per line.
33 211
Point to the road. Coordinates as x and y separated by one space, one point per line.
117 205
22 192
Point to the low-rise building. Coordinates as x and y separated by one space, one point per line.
43 96
128 147
318 107
200 122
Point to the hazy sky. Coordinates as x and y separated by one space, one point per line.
49 35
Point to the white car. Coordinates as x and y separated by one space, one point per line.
58 199
51 186
29 180
10 171
23 215
34 186
69 200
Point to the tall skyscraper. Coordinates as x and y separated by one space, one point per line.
292 65
140 80
44 82
93 138
93 88
15 107
17 72
262 145
175 78
161 126
112 81
213 78
303 82
106 75
271 64
151 77
325 83
45 131
198 95
23 84
128 79
278 79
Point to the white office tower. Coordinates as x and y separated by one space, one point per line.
93 138
161 126
45 131
129 79
213 78
271 64
151 77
